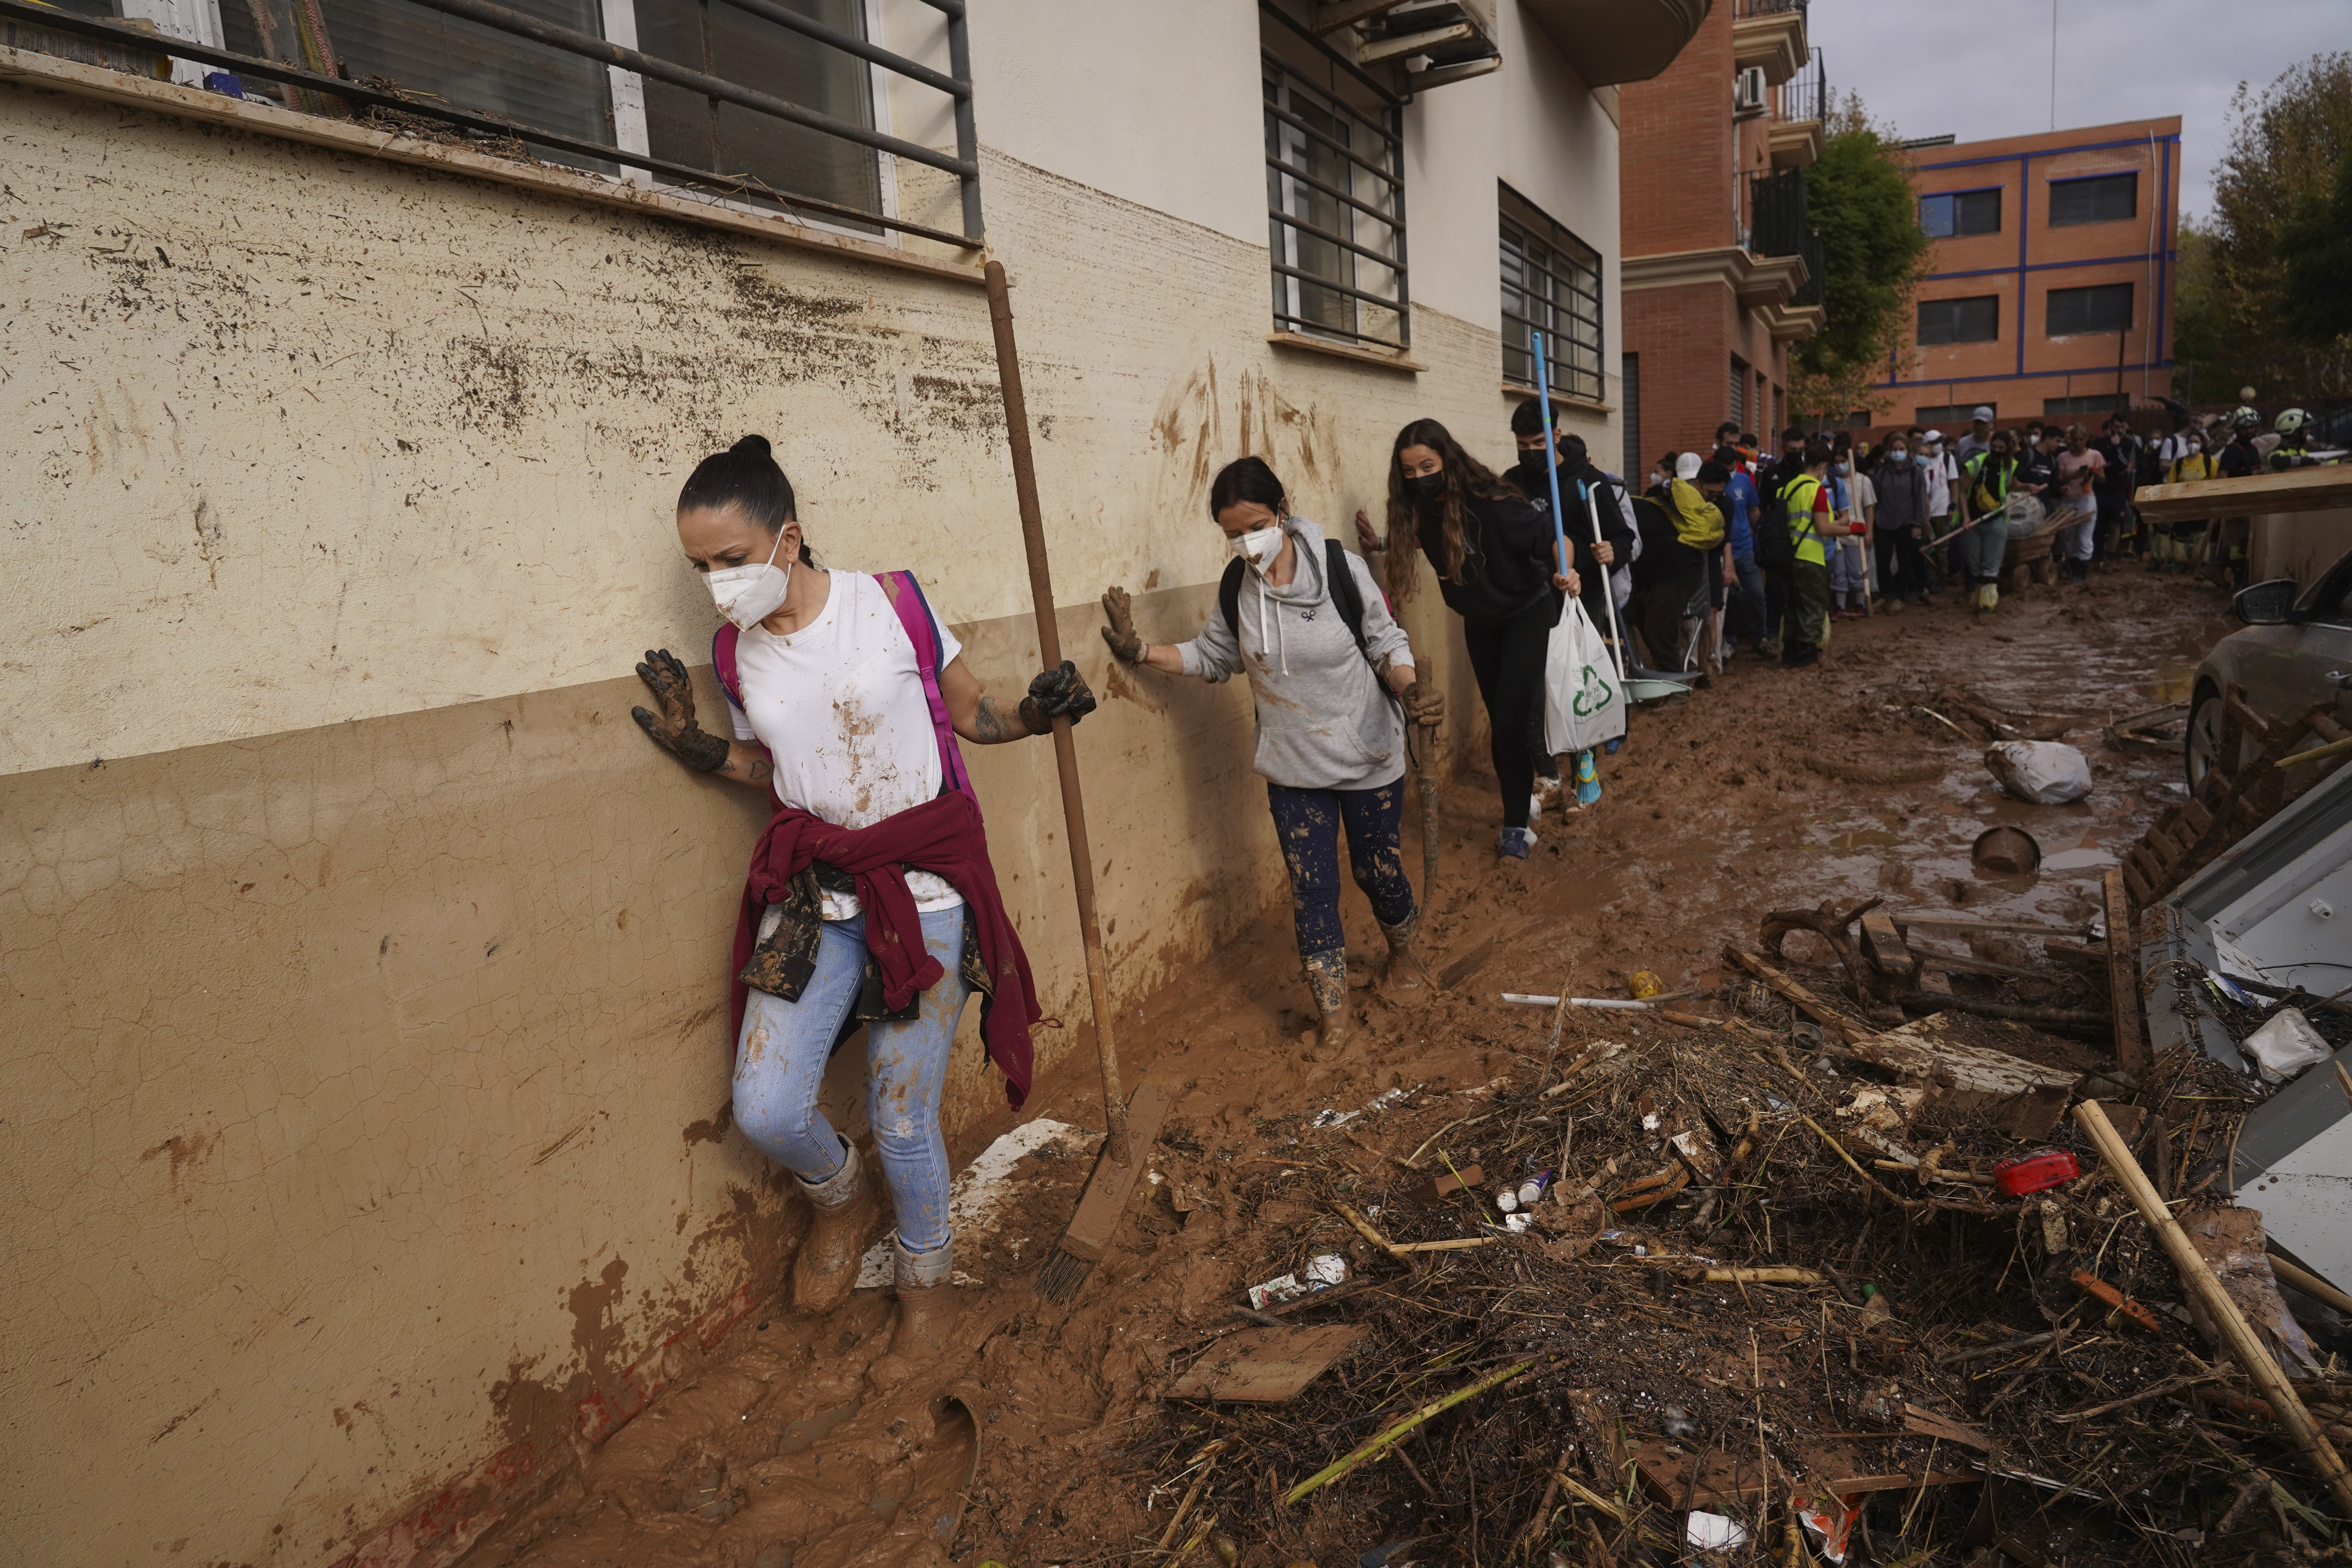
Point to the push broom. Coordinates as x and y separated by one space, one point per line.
1132 1127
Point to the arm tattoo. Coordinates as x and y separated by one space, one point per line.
989 726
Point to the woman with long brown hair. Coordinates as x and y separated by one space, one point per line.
1496 569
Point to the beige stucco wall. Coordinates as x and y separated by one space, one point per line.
362 969
2300 544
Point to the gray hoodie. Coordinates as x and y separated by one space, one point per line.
1323 720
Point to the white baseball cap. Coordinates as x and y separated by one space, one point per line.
1932 438
1984 412
1686 466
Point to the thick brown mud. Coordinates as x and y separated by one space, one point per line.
1017 1443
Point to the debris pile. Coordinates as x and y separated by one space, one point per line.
1777 1284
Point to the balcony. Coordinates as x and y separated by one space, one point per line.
1770 35
1778 228
1612 41
1799 106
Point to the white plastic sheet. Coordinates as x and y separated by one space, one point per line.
2047 772
2286 1044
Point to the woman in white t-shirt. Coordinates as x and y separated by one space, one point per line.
832 702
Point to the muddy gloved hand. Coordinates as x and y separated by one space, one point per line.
1424 704
674 728
1054 693
1118 610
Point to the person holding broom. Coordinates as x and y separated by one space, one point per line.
1333 677
1494 555
870 899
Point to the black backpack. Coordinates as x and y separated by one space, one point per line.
1775 551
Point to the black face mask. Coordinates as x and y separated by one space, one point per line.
1427 486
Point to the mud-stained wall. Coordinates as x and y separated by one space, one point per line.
362 969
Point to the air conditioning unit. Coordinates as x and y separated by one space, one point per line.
1748 91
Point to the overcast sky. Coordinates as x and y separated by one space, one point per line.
1982 70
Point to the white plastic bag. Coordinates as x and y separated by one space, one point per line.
1584 703
2286 1044
2047 772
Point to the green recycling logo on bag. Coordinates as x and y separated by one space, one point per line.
1593 695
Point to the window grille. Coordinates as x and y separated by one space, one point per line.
1952 416
1551 284
2100 198
1973 320
1335 212
2098 403
2099 308
1738 415
767 101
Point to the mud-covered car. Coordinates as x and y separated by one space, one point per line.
2295 650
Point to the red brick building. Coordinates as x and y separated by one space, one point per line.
2052 280
1721 272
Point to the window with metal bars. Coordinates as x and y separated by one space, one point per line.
1738 415
1335 214
774 103
1551 284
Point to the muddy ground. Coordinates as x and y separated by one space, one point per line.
775 1450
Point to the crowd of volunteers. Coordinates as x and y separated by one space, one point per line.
870 900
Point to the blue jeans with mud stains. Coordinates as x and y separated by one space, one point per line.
1307 822
780 1066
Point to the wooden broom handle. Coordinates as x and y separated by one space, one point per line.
1065 750
2244 1348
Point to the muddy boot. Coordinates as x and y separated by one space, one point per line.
1404 980
926 1312
1327 977
826 1266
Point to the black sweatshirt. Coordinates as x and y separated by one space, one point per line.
1507 559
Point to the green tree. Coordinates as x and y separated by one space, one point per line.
2253 307
1859 200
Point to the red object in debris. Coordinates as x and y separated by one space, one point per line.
2032 1172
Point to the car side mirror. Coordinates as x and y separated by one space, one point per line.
2265 604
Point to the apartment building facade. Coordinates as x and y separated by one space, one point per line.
366 968
1722 273
2051 284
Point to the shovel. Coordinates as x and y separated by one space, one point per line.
1132 1127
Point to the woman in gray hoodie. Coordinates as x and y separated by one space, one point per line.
1333 677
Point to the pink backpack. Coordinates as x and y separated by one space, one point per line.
906 596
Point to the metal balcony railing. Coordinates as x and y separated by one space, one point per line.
1804 97
1777 226
964 163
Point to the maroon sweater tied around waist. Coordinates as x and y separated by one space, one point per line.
942 835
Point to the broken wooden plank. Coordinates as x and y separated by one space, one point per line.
1265 1366
1885 945
1843 1026
2123 976
1922 1049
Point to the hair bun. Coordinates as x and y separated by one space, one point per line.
751 446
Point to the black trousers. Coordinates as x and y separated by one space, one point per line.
1776 598
1902 568
1657 612
1508 659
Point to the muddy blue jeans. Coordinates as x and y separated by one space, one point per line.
780 1066
1308 822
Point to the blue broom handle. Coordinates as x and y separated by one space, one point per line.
1551 454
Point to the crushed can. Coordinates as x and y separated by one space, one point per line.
2033 1172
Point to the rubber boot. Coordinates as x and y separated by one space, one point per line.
1327 977
826 1266
1404 980
926 1312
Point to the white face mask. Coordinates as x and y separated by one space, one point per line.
750 594
1258 547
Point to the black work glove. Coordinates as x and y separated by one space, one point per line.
1054 693
674 728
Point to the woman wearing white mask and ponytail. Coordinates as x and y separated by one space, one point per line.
1306 619
870 897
